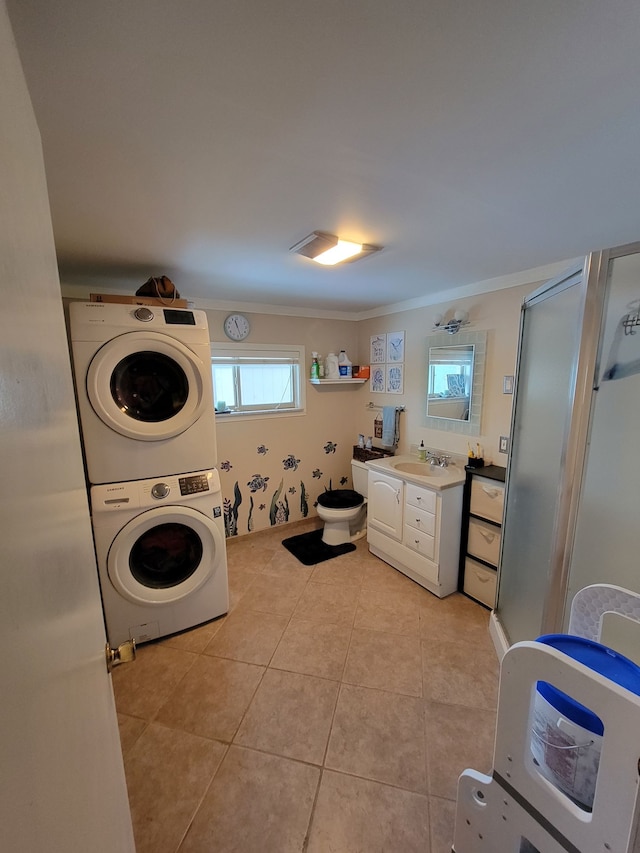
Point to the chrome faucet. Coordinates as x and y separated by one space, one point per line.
434 459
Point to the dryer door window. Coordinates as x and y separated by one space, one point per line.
164 555
148 386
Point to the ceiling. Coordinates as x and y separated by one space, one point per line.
201 139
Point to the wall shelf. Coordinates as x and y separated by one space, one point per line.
337 381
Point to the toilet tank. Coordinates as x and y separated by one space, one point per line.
360 476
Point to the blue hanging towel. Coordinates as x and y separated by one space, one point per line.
390 432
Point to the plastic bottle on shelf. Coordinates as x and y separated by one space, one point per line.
320 367
344 365
332 369
315 367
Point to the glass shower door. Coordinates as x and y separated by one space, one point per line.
605 549
548 355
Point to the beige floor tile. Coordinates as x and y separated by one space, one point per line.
327 603
386 661
168 773
240 580
460 672
272 595
457 738
380 575
354 814
442 817
249 636
212 700
130 729
453 617
313 648
257 803
195 639
346 570
394 612
290 715
380 736
284 565
142 687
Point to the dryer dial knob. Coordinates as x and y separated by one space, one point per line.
160 490
144 314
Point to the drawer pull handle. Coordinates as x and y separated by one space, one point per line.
492 493
481 578
417 541
417 521
488 536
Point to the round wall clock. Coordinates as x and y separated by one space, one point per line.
236 327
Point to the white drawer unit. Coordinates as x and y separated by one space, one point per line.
487 498
480 582
484 540
483 508
418 541
425 499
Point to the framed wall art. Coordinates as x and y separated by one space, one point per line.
378 349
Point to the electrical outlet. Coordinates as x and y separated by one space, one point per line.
504 444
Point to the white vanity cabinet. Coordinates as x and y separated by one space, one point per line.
416 530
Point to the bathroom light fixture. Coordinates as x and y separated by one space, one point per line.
460 318
327 249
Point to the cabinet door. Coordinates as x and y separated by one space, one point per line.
384 511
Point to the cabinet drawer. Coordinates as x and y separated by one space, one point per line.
480 582
487 498
484 540
422 498
420 519
419 541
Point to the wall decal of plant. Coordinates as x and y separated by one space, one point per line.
304 500
279 512
231 512
250 518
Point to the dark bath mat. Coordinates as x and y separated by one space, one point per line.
310 549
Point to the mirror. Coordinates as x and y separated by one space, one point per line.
449 385
455 371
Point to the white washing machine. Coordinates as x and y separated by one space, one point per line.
144 390
161 554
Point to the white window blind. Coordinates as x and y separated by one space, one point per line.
258 379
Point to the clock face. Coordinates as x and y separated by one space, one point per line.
236 327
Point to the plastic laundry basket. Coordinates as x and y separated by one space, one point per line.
567 737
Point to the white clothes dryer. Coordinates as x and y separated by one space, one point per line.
144 390
161 554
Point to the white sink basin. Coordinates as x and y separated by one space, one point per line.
422 469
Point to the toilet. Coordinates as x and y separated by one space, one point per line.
344 511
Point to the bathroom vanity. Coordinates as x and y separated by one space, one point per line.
413 519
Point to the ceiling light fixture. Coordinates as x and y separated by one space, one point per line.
460 318
327 249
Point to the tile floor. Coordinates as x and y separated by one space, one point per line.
330 711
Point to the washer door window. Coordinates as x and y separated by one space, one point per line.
146 385
164 555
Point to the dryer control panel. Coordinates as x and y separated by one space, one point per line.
194 484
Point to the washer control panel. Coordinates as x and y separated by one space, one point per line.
194 484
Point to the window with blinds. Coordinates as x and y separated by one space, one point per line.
258 380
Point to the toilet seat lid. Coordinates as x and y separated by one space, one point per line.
340 499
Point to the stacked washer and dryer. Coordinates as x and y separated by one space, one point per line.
145 401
